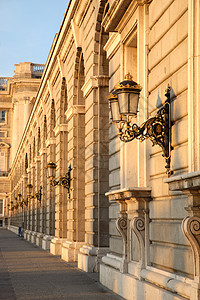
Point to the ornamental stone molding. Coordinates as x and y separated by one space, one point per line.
121 225
117 11
133 213
74 110
138 227
94 82
189 184
4 145
191 229
50 141
42 151
60 128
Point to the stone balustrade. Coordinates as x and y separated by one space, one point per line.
3 83
37 68
3 173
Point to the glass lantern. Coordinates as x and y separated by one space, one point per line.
128 93
114 107
29 189
51 167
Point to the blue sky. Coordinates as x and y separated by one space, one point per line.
27 30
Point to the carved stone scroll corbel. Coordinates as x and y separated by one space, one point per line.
138 227
191 229
121 225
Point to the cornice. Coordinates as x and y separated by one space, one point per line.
74 110
32 165
117 11
143 193
94 82
50 141
112 44
60 128
42 151
37 159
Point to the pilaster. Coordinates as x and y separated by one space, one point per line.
50 202
43 174
95 90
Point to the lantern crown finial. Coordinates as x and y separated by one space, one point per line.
128 76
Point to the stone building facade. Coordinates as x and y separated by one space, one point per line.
123 217
17 95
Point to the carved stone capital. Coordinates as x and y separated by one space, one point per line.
191 229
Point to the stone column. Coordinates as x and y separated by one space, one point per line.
29 219
61 196
27 110
37 189
95 91
50 199
43 156
15 128
75 217
24 193
43 181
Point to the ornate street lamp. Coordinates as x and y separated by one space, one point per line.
19 200
63 181
29 191
38 195
124 105
25 202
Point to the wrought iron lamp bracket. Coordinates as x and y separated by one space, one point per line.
38 195
63 181
157 129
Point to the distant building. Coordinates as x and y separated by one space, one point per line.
17 95
106 203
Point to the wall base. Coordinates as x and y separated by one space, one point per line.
46 241
90 257
28 235
14 229
56 246
33 237
39 238
130 288
70 251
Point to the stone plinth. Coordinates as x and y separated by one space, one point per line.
90 257
33 237
39 238
46 241
70 251
28 235
56 246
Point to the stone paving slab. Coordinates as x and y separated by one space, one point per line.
28 272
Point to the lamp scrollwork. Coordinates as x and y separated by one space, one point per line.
64 181
124 105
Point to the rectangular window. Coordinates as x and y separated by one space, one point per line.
2 116
2 161
2 133
1 207
131 56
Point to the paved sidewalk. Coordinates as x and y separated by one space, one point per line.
28 272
